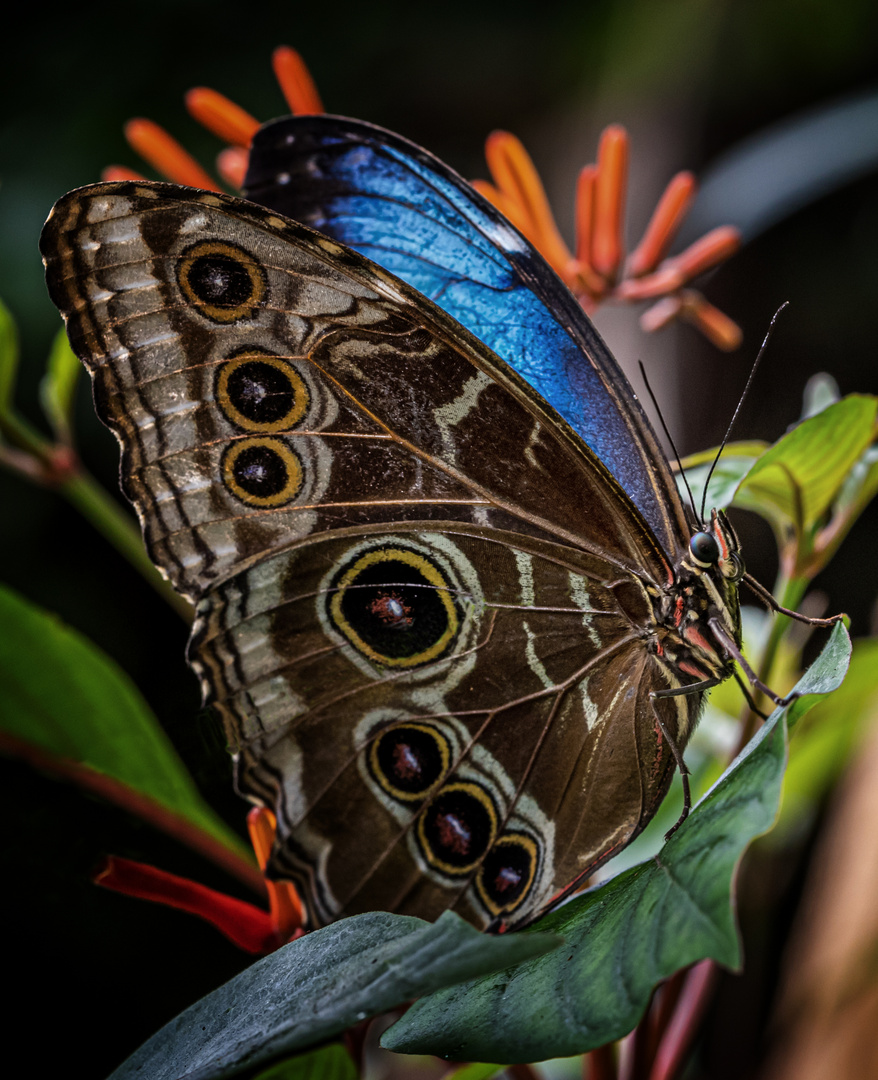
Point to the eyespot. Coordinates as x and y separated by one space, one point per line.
408 760
395 606
263 472
704 549
456 829
222 281
261 392
507 873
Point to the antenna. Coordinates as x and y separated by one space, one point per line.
740 403
669 438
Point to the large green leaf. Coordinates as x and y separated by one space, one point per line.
736 461
797 479
64 698
625 936
314 988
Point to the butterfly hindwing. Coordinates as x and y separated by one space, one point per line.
419 706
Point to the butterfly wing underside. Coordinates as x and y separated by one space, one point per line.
420 597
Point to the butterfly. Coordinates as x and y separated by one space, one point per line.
454 616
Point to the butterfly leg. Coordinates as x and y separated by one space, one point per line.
735 653
748 697
765 596
679 691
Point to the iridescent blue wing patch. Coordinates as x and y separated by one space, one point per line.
404 209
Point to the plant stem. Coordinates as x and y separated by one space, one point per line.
790 590
601 1063
120 530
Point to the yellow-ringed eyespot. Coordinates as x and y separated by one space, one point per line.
261 392
263 472
224 282
455 830
508 872
395 606
409 759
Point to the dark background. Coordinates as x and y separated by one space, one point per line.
94 974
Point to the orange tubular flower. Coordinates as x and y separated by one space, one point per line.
599 271
249 927
224 118
594 273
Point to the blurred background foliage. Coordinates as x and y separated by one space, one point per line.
692 80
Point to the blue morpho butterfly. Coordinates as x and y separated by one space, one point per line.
450 606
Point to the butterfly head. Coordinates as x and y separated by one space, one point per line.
716 545
708 576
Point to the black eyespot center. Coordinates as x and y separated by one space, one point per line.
456 829
262 472
395 606
257 391
508 872
408 760
704 549
222 281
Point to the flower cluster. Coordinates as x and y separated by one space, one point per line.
598 272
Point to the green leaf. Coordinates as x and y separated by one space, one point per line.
821 391
331 1062
625 936
797 479
58 386
314 988
475 1071
860 486
8 358
736 461
64 697
824 742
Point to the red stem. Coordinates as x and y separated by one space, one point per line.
600 1064
677 1040
141 806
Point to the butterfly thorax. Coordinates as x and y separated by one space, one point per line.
704 594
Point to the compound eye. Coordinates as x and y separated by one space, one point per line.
704 549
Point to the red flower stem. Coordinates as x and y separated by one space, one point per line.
139 805
521 1072
221 116
674 1047
600 1064
637 1058
245 925
663 1007
166 155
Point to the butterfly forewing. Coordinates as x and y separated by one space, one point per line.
398 204
424 604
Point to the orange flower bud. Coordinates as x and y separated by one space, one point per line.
221 116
